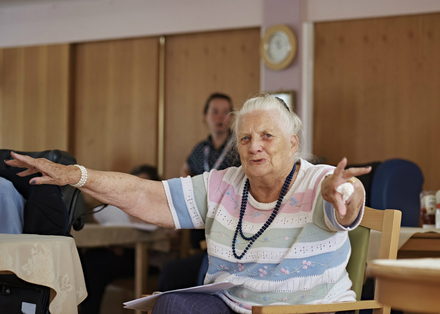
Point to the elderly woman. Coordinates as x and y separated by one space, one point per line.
276 226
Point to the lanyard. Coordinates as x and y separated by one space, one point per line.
220 159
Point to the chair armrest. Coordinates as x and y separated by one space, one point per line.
316 308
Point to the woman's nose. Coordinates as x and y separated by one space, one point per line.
255 145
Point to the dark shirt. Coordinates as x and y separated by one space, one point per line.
196 159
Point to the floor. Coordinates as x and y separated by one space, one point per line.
122 291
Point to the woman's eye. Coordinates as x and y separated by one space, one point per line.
267 135
244 138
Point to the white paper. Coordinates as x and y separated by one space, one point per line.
147 303
135 225
112 216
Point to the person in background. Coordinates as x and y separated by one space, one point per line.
11 208
103 265
30 209
277 226
218 152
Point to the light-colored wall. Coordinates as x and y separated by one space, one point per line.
289 13
40 22
50 22
335 10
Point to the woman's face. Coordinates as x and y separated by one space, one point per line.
217 116
265 150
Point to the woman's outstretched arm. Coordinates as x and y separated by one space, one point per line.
144 199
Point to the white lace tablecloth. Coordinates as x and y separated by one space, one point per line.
422 263
51 261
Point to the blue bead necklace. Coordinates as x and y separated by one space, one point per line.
267 223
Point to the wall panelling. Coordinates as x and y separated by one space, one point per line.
34 97
116 92
376 91
196 66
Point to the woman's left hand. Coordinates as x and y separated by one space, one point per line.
51 173
349 209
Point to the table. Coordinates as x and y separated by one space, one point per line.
408 284
50 261
426 244
413 243
95 235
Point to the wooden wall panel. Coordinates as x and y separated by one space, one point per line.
34 97
376 91
196 66
116 93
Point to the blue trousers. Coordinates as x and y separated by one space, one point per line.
191 303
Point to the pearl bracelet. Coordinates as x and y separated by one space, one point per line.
83 179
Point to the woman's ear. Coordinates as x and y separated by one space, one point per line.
294 142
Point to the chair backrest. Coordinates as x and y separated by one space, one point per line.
359 239
385 221
55 155
367 179
397 183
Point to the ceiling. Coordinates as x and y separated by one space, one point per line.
15 3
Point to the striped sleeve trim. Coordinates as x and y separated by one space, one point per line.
180 196
332 222
190 201
330 216
170 204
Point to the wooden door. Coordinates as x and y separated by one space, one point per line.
116 93
196 66
34 97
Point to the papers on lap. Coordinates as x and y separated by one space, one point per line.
147 303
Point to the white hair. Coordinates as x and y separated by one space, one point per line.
289 122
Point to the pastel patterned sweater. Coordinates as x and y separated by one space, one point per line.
301 258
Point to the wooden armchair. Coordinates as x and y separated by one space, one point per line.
386 221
